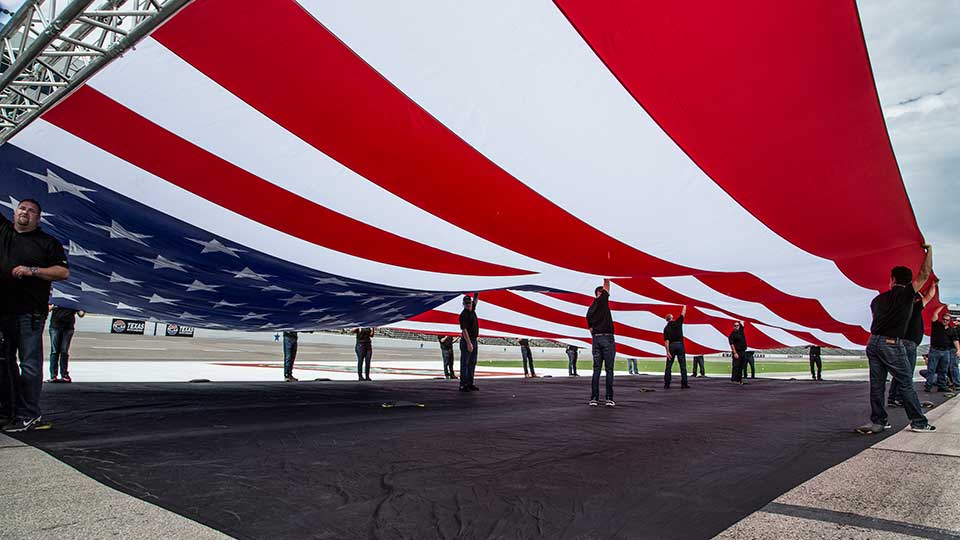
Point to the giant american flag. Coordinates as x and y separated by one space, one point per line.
332 163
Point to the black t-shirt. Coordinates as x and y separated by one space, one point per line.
525 343
446 342
34 248
61 317
941 337
572 349
738 340
891 311
469 322
673 331
364 334
915 325
599 319
814 351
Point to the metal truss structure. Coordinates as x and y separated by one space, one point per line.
50 47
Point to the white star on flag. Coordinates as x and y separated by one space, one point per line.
186 316
347 293
271 326
157 299
14 203
296 299
117 278
117 230
76 250
328 319
252 315
121 305
224 303
91 289
198 285
313 310
215 246
55 184
273 288
161 262
247 273
54 293
371 299
330 281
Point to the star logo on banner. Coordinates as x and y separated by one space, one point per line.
125 307
247 273
157 299
198 285
91 289
187 316
117 230
76 250
312 311
224 303
161 262
273 288
14 203
55 184
117 278
330 281
54 293
296 299
253 316
215 246
347 293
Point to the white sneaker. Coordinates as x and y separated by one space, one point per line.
610 403
594 403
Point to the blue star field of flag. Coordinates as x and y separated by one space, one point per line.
129 260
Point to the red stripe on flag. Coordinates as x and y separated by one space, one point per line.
776 102
99 120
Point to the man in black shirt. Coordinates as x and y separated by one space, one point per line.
572 361
738 349
885 350
527 355
673 343
911 340
62 323
600 322
815 362
446 351
30 260
364 350
943 346
469 343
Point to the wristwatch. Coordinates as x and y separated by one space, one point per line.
33 270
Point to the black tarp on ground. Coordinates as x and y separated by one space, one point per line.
519 459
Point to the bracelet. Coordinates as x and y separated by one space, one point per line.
34 270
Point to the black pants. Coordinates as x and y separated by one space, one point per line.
748 359
739 366
816 362
698 361
8 364
677 352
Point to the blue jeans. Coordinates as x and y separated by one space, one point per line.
364 355
938 362
677 352
571 362
527 356
21 386
953 369
59 351
289 352
896 392
604 352
447 355
632 366
887 355
468 363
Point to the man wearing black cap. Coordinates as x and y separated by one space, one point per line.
911 341
30 260
600 322
673 343
885 350
469 334
738 348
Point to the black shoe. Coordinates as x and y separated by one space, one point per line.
473 388
368 378
464 389
21 424
666 387
895 403
683 386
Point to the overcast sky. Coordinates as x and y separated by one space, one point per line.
915 52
